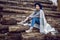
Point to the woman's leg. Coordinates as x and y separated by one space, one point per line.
34 20
37 25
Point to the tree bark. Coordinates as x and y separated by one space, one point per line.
58 5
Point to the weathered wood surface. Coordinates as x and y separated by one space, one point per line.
19 10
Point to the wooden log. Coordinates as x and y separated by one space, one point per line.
58 5
2 36
17 17
15 10
52 37
3 29
32 36
23 8
41 1
25 4
6 1
13 36
58 29
24 11
8 21
9 9
17 28
32 4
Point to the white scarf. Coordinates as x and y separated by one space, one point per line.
44 26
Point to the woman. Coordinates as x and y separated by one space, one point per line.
37 17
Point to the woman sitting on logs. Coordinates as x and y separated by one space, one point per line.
38 17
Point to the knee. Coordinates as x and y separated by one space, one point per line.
34 18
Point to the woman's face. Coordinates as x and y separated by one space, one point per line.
37 7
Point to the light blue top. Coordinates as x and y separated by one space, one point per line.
35 14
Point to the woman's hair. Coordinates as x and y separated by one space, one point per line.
38 4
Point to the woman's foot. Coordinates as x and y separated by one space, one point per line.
53 33
30 30
21 22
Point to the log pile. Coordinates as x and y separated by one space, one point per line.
14 11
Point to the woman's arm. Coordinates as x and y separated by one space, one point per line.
29 17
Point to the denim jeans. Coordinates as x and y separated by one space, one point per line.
35 20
